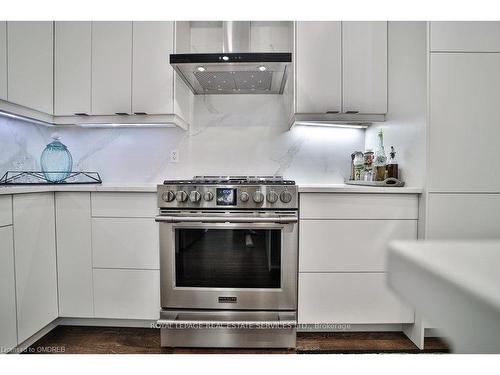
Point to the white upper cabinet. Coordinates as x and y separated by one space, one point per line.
30 64
318 67
3 60
111 67
465 36
463 122
364 58
72 68
152 74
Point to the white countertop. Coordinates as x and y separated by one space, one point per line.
19 189
343 188
455 285
151 187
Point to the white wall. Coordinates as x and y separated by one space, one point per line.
405 122
245 134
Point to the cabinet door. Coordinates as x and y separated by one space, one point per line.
465 36
74 255
364 66
318 67
30 64
349 298
8 334
127 294
72 68
3 60
464 119
152 74
335 246
463 216
111 67
35 259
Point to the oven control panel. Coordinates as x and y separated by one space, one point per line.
228 196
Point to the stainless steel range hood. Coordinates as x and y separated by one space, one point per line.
235 70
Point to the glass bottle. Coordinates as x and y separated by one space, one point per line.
380 159
392 165
56 160
359 165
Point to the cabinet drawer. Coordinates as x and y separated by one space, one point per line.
349 245
124 204
125 243
350 298
463 216
127 294
5 210
465 36
358 206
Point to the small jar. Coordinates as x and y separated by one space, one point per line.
359 165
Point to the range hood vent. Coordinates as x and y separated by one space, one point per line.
235 70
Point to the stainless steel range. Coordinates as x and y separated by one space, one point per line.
228 260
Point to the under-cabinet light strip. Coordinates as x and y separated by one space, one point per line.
331 125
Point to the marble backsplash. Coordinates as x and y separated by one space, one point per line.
230 135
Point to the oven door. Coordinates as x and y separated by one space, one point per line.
228 261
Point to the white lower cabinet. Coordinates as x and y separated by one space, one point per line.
74 255
8 332
343 240
35 262
127 294
125 243
349 298
337 246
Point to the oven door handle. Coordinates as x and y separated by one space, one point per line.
227 219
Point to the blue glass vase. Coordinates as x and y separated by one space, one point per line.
57 160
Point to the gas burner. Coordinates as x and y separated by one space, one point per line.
232 180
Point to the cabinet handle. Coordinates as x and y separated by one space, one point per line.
81 114
332 111
351 112
140 113
121 113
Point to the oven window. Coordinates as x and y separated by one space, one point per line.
228 258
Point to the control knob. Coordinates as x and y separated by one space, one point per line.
286 196
181 196
168 196
194 196
208 196
272 197
258 197
244 197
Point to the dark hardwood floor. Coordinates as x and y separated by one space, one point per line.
115 340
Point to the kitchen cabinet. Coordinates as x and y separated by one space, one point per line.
463 216
3 60
464 36
342 251
127 294
5 210
364 67
35 260
72 67
341 67
111 67
349 298
152 74
125 243
366 253
124 205
74 254
463 119
30 64
318 65
8 333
